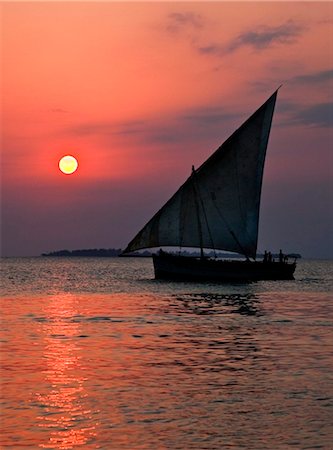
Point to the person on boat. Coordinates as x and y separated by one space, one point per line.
270 259
281 256
265 256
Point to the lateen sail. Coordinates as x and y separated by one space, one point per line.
218 205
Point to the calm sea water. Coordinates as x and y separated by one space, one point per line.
98 355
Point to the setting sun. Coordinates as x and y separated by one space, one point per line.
68 164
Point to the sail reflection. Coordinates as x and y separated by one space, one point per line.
64 408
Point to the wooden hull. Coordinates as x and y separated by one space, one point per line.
173 267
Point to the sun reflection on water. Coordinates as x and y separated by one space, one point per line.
64 410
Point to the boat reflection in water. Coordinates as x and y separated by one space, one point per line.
208 303
63 404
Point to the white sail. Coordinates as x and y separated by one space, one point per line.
218 205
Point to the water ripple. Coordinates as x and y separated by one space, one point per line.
95 357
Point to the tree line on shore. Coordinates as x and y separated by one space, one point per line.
106 252
113 252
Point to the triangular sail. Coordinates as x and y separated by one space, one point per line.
218 205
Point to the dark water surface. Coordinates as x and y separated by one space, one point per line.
98 355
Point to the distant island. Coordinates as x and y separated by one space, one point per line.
114 252
95 252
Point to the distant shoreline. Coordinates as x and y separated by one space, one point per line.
115 252
91 252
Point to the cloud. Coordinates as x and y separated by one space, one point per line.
179 21
319 115
198 123
209 117
316 115
212 49
150 132
317 77
59 110
106 128
265 37
201 122
261 39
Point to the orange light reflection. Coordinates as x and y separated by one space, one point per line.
65 411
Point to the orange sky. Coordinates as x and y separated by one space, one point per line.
141 91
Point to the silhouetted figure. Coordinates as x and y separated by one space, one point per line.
281 256
265 256
270 259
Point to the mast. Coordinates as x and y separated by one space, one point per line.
195 190
198 197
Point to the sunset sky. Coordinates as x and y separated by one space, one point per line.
138 92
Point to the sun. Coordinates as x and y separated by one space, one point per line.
68 164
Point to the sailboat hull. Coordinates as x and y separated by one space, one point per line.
174 267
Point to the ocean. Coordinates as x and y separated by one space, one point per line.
96 354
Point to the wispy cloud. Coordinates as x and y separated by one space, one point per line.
209 117
179 21
260 39
212 49
106 128
317 77
265 37
199 122
314 78
319 115
316 115
59 110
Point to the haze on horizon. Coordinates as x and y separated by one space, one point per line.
139 92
